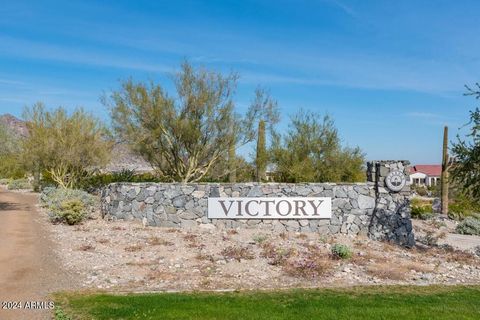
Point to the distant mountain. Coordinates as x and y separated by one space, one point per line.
14 125
122 157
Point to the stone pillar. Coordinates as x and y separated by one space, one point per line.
391 217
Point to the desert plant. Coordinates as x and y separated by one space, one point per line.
19 184
71 211
260 238
67 205
307 265
421 209
312 151
238 253
341 251
68 147
469 225
276 255
5 181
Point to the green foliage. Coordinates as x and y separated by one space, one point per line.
469 225
19 184
420 190
311 151
421 209
67 205
5 181
341 251
260 238
463 206
71 211
181 138
10 164
60 314
97 181
466 169
68 147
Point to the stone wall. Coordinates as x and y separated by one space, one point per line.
362 208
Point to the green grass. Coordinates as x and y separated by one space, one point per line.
398 302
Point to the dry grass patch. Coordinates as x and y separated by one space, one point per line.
237 253
86 247
103 241
156 241
232 232
275 255
205 257
308 265
142 263
388 270
118 228
134 248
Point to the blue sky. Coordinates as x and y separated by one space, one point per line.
391 73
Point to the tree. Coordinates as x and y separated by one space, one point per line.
311 152
466 168
67 147
182 137
9 154
262 115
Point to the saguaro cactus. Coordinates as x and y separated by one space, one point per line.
261 160
232 169
445 167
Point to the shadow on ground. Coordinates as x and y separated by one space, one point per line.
8 206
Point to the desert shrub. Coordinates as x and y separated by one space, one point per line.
238 253
275 255
341 251
5 181
98 181
19 184
469 225
67 205
309 264
420 190
260 238
421 209
463 206
71 211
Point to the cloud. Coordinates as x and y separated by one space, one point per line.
424 115
42 51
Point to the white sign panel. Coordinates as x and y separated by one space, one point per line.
270 208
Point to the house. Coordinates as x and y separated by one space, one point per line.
425 174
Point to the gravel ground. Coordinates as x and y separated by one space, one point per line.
125 256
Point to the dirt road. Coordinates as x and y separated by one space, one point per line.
29 270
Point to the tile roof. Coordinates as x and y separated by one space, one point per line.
428 169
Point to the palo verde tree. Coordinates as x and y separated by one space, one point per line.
183 135
68 147
9 154
466 152
311 151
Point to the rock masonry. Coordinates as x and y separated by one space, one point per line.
361 208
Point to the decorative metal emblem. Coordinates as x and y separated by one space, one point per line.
395 180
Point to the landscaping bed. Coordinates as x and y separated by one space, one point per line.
125 256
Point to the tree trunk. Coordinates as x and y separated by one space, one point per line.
444 177
261 160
